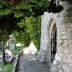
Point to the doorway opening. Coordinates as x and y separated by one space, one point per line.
53 42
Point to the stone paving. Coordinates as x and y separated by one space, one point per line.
29 63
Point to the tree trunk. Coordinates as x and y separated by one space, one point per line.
3 52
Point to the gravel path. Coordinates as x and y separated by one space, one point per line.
29 63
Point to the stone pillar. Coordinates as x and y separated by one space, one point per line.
44 37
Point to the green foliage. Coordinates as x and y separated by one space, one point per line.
3 35
1 67
31 7
32 31
22 37
4 12
18 14
15 51
8 68
27 9
23 7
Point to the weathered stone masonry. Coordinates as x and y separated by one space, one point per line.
63 58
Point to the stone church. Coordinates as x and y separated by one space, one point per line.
56 39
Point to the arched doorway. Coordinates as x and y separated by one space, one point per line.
53 42
52 38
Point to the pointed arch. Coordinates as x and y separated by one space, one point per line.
52 31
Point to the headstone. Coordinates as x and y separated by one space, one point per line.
12 42
11 45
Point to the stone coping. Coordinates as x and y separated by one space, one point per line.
16 62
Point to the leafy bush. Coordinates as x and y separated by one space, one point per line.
15 51
22 37
31 32
8 68
1 67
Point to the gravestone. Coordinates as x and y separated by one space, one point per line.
12 42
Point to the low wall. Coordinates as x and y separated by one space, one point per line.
16 62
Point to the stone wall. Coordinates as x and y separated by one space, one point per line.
63 57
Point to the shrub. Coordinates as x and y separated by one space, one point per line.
31 32
15 51
8 68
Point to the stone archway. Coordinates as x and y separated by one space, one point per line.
53 39
53 43
48 27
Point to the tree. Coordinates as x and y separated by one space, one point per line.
31 31
20 9
24 7
7 25
3 38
